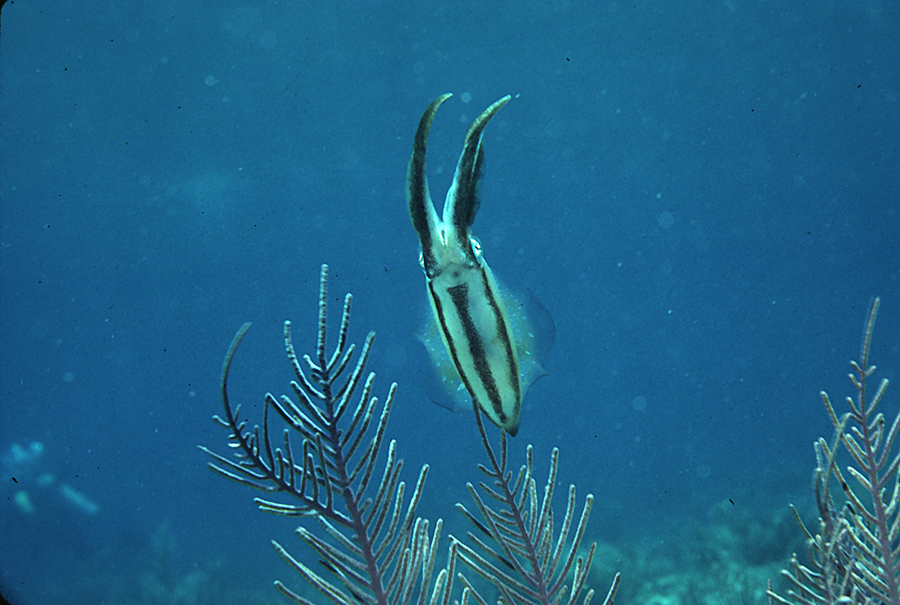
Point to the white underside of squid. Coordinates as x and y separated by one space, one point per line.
464 296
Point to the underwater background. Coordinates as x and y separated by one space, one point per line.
705 196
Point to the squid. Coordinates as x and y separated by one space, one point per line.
467 304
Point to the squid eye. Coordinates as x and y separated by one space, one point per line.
429 273
476 247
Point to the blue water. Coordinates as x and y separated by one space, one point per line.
705 196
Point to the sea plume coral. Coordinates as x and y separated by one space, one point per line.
373 548
854 557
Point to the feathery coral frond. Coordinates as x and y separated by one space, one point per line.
525 562
372 547
855 556
375 549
